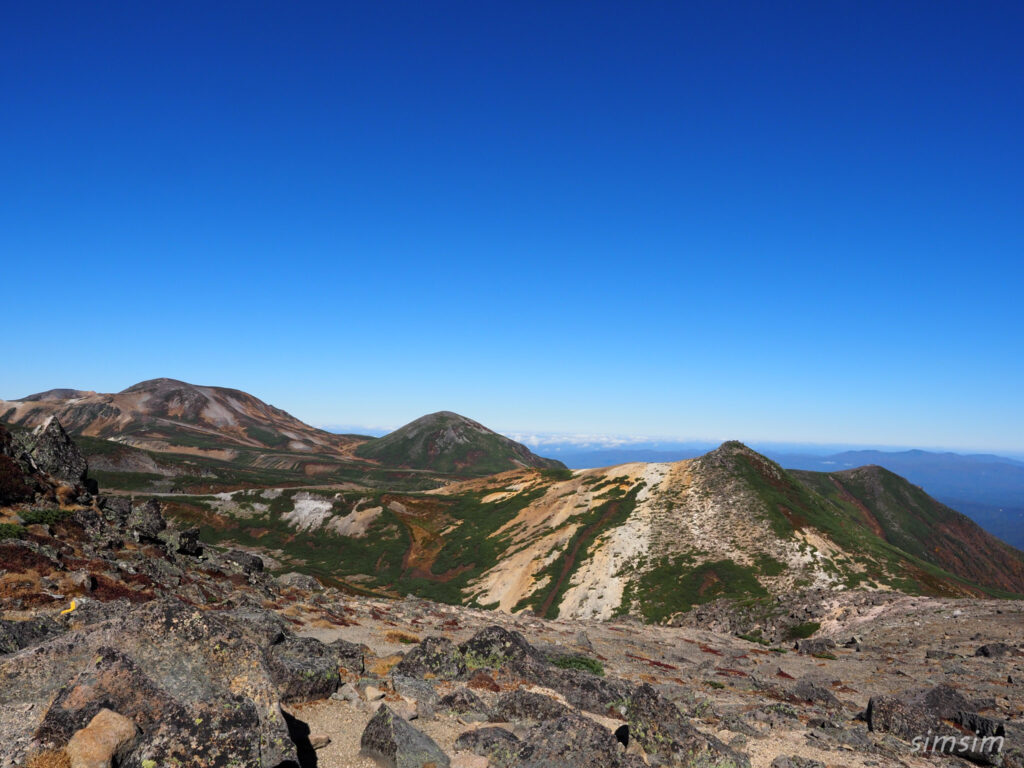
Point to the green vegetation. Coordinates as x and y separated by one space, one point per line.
803 631
669 587
451 444
44 516
266 436
10 531
584 663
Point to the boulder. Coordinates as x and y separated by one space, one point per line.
815 646
191 681
494 647
303 669
464 702
395 743
570 741
660 728
809 690
913 713
994 650
246 562
188 543
146 521
499 746
52 451
105 737
434 656
521 705
300 581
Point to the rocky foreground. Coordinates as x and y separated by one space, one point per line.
126 642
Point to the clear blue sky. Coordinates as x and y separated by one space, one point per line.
768 221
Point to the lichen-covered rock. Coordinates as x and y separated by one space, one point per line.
15 635
499 746
55 453
570 741
435 656
815 646
583 690
662 730
495 646
520 705
464 702
303 669
392 740
300 581
197 687
146 520
913 713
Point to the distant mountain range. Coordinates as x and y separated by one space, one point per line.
446 508
165 434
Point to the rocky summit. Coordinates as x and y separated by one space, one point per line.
126 640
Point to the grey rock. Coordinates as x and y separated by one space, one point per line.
464 702
435 656
244 561
994 650
570 741
499 746
521 705
55 453
304 669
300 581
660 728
397 744
146 520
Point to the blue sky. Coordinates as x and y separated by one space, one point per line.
765 221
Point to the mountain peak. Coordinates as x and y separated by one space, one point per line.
449 442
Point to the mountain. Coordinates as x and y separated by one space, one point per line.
168 435
174 416
452 444
987 488
650 540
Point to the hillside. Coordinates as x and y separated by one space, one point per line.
452 444
650 540
169 415
166 435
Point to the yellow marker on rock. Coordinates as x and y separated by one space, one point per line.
69 610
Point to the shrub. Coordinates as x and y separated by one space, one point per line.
803 631
10 531
44 516
583 663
